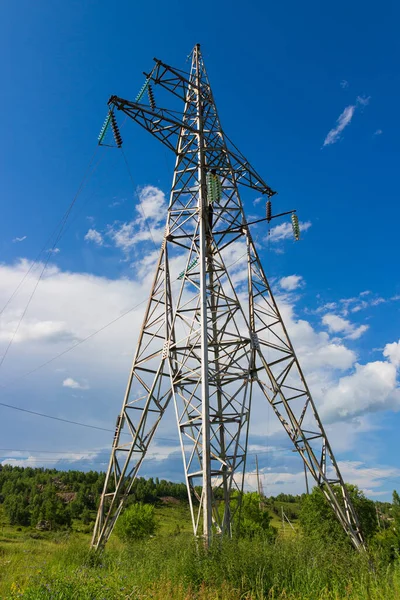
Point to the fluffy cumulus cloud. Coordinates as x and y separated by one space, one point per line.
148 224
337 324
291 282
74 385
392 352
284 231
94 236
370 388
32 329
318 352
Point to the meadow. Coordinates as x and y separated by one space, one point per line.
169 566
46 520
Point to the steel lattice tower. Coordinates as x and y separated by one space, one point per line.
209 345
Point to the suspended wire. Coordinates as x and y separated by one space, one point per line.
38 414
91 335
74 345
49 254
33 264
48 241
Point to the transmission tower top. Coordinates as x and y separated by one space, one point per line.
213 340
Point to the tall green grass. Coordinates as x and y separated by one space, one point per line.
174 568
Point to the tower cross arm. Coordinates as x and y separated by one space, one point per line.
246 175
164 124
176 81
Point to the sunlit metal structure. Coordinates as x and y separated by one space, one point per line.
212 337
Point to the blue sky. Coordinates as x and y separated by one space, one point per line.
287 79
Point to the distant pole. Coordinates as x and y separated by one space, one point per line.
259 486
258 478
377 516
305 475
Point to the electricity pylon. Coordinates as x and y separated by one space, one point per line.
211 336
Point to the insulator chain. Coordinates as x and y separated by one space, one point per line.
191 265
269 210
296 227
104 128
142 90
214 188
150 95
115 130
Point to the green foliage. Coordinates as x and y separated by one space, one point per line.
30 496
136 522
255 520
388 540
396 511
318 520
16 506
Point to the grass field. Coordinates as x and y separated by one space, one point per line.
58 566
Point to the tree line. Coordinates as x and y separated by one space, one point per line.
31 496
35 496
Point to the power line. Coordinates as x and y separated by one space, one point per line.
38 414
74 345
48 241
49 254
87 338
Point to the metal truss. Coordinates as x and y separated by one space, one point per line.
208 342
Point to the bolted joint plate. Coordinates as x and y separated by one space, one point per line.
165 351
255 344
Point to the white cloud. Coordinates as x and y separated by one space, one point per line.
153 204
378 132
344 120
319 355
32 330
284 231
370 388
53 250
19 239
367 478
291 282
357 332
95 237
80 303
392 352
337 324
377 301
344 84
74 385
147 226
277 479
363 100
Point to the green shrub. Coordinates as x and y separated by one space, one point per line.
318 520
136 523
